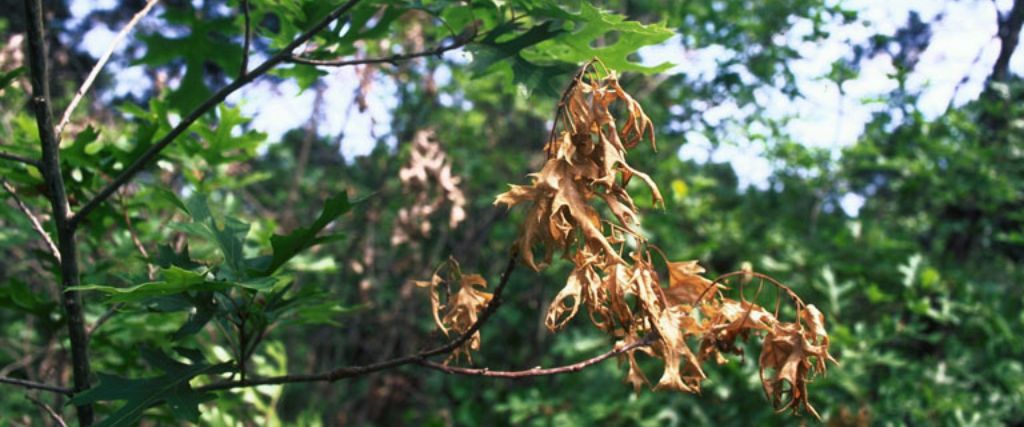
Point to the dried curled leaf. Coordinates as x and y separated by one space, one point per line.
462 309
686 285
565 305
729 321
682 369
786 360
586 161
435 299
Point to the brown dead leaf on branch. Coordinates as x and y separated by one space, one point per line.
614 277
462 309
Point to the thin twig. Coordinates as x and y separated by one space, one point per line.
80 93
150 268
49 411
107 315
248 40
20 159
538 371
54 180
28 359
33 219
437 51
143 160
721 279
356 371
967 76
34 385
562 103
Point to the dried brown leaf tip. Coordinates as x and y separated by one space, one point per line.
461 309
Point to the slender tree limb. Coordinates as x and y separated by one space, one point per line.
247 41
356 371
1009 35
458 42
51 171
28 359
35 386
967 75
19 159
106 316
143 160
89 80
49 411
538 371
36 225
150 268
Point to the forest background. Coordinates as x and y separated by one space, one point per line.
868 154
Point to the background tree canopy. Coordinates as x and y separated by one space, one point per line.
223 225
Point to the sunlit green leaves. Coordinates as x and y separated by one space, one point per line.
174 281
542 54
595 33
285 247
222 145
205 43
506 55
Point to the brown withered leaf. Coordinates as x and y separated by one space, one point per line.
618 286
638 123
586 160
435 299
565 305
816 334
634 375
784 367
682 369
686 285
462 309
731 320
786 361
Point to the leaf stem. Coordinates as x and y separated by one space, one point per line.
35 386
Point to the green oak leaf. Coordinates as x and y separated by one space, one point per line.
175 281
589 25
204 44
171 388
230 237
6 77
285 247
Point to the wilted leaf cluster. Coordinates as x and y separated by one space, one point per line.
578 204
428 177
461 309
